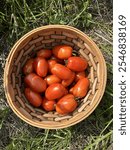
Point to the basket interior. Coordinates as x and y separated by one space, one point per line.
48 38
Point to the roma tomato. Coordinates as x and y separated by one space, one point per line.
50 79
61 71
35 82
62 51
67 82
55 91
45 53
51 64
80 89
34 98
28 67
48 105
66 104
80 75
40 66
77 64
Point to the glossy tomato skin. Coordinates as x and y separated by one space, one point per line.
35 82
61 71
80 89
45 53
77 64
66 104
62 51
28 67
71 90
51 64
50 79
67 82
41 66
48 105
34 98
80 75
55 91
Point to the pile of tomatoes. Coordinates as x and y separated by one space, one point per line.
54 79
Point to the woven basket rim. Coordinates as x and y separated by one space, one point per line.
14 48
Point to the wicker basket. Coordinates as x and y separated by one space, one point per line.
47 37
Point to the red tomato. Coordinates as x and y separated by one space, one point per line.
28 67
62 51
77 64
48 105
66 104
50 79
34 98
80 89
45 53
41 66
55 91
80 75
66 83
35 82
61 71
51 64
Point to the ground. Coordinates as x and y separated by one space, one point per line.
93 17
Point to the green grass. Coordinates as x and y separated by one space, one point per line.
94 17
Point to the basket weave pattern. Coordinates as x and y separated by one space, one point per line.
48 37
